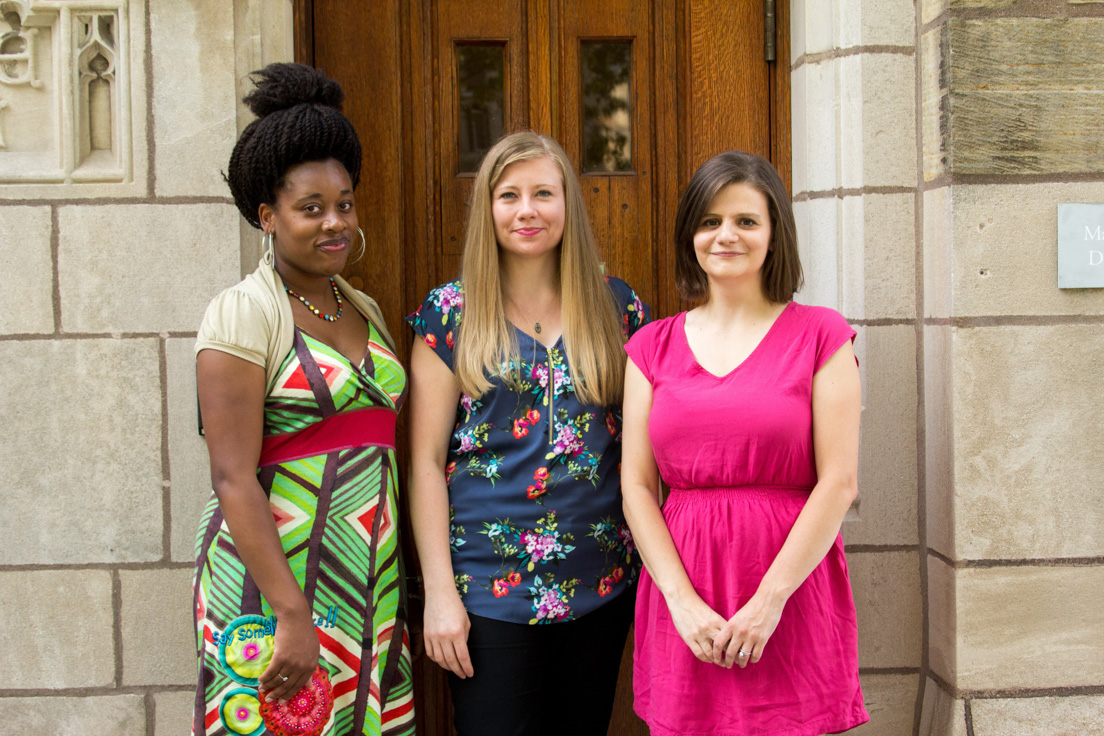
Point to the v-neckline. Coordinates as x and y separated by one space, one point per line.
371 381
367 345
742 363
359 367
535 340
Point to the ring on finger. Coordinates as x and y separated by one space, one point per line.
742 653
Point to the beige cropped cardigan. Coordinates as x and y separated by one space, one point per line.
252 320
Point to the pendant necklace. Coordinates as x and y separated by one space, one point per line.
536 322
318 313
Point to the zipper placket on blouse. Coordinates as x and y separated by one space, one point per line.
551 399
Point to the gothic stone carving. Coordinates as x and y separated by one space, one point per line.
64 103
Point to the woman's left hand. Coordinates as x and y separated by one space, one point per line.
744 637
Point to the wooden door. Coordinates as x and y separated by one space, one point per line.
639 92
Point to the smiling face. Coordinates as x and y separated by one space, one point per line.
313 222
734 234
528 208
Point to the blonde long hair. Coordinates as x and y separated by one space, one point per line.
592 332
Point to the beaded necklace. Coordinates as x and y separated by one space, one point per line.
311 307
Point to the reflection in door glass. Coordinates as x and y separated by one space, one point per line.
607 108
479 74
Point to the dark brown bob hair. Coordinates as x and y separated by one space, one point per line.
781 273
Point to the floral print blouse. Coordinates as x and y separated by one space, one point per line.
534 479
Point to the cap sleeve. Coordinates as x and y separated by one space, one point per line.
634 313
832 332
641 348
237 324
436 320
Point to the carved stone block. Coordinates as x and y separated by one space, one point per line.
66 93
39 625
1079 714
890 700
105 445
1026 470
886 507
1004 613
119 715
1014 96
941 714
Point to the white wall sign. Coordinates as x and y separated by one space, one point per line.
1081 246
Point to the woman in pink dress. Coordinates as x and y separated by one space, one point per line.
747 407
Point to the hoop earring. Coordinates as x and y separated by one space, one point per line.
363 248
267 251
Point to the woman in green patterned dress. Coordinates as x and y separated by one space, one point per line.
297 555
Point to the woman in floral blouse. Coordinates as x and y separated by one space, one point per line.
515 492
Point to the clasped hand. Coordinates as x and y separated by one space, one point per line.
294 658
740 640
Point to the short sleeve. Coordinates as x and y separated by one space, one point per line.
641 348
634 313
832 332
237 324
436 320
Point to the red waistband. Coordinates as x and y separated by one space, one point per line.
373 427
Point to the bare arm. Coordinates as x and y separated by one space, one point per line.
231 398
836 403
434 396
695 621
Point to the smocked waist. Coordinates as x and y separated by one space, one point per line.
769 492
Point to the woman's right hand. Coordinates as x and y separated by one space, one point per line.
294 657
445 631
434 396
231 397
697 624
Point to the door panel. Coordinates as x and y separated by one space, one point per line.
424 100
463 27
619 202
373 103
729 110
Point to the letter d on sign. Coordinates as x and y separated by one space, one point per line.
1096 257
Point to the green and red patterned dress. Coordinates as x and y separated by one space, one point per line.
328 467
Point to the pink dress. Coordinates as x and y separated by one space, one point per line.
737 452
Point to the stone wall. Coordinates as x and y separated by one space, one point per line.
1012 125
932 144
932 141
116 229
856 150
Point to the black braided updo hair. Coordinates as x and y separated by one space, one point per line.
299 119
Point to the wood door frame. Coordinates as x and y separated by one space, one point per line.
421 260
416 253
781 104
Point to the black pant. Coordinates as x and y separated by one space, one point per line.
554 679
